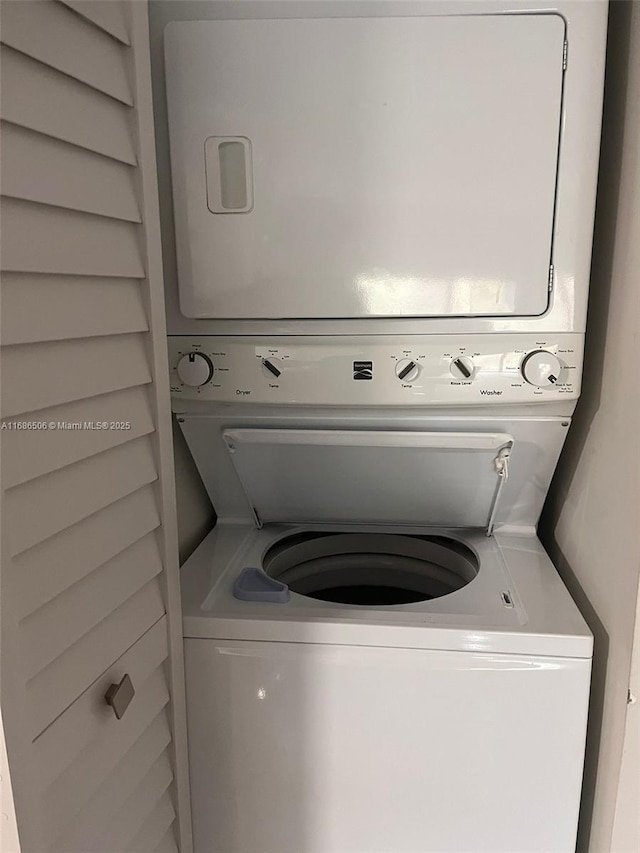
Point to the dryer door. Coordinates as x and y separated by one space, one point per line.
365 167
439 479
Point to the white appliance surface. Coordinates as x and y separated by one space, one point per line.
306 748
365 167
318 727
383 370
383 222
537 617
448 726
371 476
309 464
332 176
324 727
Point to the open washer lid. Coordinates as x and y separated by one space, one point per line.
433 479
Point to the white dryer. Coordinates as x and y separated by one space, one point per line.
379 654
358 167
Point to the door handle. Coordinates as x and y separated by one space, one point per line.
119 696
229 174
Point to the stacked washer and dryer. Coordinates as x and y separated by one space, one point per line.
383 218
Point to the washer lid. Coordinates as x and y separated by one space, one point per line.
439 479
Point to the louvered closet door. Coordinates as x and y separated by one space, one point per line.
89 571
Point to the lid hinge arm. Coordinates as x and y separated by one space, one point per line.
501 464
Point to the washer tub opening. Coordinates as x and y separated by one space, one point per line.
371 568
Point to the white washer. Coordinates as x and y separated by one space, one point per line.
446 723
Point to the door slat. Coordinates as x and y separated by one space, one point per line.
31 454
69 242
154 828
63 742
107 14
59 372
66 619
64 800
62 560
55 36
42 99
97 814
38 308
41 169
36 510
55 689
143 800
168 844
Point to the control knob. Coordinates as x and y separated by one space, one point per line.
272 367
195 369
541 368
462 368
407 370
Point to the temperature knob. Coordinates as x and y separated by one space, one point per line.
272 367
195 369
407 370
541 368
462 368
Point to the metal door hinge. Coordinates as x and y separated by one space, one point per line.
551 271
501 462
565 55
501 465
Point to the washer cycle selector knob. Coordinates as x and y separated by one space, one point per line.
407 370
541 368
195 369
462 368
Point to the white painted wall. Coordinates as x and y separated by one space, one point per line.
196 516
626 827
590 525
9 842
195 513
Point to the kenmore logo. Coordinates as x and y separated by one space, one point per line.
363 370
491 393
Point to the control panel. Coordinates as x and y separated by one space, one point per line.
377 371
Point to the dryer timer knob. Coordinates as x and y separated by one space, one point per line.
195 369
541 368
